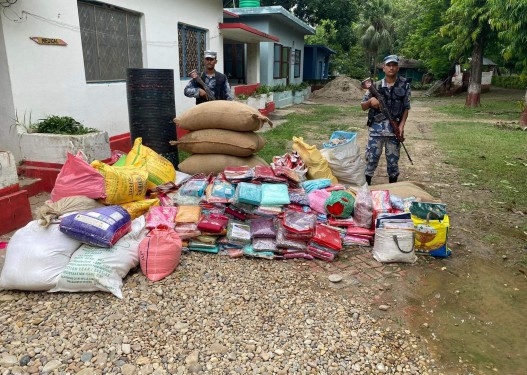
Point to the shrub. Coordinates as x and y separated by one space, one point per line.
510 82
263 89
61 125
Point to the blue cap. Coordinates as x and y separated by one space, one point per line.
211 54
391 58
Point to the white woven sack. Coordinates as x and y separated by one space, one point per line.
394 245
36 256
93 268
346 163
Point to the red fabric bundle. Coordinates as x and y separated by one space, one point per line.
327 237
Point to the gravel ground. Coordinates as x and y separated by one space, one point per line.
214 315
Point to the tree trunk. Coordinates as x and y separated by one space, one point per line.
476 68
523 117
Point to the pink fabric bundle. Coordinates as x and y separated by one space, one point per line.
317 200
159 253
161 217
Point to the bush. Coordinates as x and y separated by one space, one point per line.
61 125
262 89
510 82
279 88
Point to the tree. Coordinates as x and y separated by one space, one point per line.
468 26
313 12
511 24
375 30
349 62
422 37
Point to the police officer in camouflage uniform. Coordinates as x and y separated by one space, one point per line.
217 82
396 93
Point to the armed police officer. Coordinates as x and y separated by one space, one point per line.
216 82
396 93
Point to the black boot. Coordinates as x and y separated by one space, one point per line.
391 180
368 180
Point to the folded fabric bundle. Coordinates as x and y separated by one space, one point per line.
317 184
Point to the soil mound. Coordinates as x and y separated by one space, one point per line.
341 89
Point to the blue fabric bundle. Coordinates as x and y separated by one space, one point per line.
319 183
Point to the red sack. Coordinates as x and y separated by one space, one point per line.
159 253
327 237
77 177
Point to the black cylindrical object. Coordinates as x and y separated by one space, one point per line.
151 109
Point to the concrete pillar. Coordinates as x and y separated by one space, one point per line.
253 63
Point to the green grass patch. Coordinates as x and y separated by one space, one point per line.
315 125
488 158
496 110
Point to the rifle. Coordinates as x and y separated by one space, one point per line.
370 85
199 81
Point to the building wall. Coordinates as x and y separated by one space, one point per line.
288 37
8 133
50 80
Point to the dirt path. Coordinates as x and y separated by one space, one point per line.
470 308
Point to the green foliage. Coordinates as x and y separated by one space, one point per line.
508 19
262 89
510 82
61 125
279 88
242 97
423 39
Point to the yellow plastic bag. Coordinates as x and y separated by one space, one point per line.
316 163
122 184
431 236
136 209
160 170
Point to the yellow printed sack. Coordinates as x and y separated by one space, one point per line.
431 236
122 184
316 163
160 170
136 209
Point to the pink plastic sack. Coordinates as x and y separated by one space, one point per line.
161 217
159 253
77 177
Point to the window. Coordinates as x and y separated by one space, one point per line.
111 41
298 54
281 61
191 49
286 55
234 62
277 61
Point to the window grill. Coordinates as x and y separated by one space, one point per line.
192 44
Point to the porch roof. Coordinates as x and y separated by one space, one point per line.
240 32
278 12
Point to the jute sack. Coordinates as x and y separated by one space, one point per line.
216 163
220 141
222 114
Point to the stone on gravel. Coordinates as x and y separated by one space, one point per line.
335 278
52 365
384 307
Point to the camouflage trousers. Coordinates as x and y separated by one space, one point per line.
374 151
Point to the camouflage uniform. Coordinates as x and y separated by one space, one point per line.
381 133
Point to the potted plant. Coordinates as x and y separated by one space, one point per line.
242 98
51 138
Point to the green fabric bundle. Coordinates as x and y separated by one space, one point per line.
340 204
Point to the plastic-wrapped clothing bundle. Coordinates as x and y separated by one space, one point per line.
248 193
264 244
238 233
274 195
263 228
317 184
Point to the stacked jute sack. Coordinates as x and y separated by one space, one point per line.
222 134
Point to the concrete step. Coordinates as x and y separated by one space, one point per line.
32 185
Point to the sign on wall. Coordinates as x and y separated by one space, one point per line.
48 41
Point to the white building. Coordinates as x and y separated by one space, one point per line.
85 78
